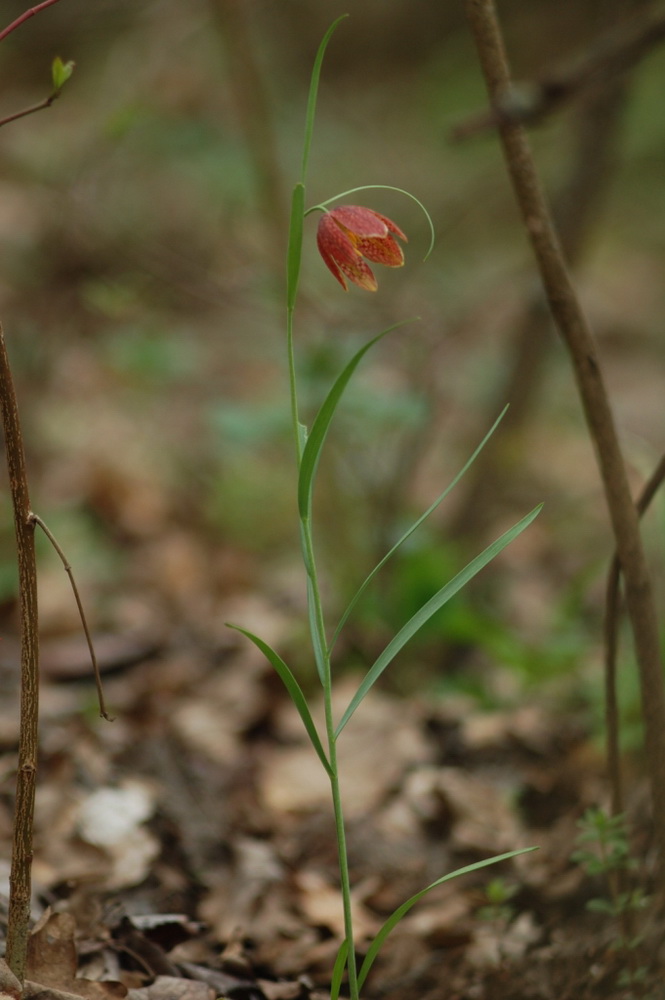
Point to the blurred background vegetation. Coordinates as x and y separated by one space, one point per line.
142 232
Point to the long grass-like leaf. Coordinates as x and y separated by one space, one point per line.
313 91
294 689
416 524
402 910
321 425
338 970
431 607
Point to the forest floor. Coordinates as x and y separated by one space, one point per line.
186 849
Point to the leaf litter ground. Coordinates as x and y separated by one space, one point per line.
186 850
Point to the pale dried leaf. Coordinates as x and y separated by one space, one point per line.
52 962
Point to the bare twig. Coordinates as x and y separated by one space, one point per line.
616 52
577 336
612 608
46 103
20 880
68 570
25 16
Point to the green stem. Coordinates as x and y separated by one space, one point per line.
345 881
321 640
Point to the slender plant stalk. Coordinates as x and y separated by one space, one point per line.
317 623
331 734
20 876
575 331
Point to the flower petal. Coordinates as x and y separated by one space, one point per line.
360 221
341 256
381 251
359 273
392 227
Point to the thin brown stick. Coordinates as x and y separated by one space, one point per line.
24 17
613 54
610 630
70 573
576 334
20 879
46 103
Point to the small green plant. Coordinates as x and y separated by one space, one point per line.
498 908
605 853
347 237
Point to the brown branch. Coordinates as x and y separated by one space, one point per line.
70 573
24 17
616 52
20 880
577 336
610 631
46 103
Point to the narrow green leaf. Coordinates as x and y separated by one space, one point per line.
402 910
338 970
294 689
416 524
321 425
431 607
294 251
313 92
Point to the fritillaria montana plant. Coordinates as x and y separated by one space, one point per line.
348 236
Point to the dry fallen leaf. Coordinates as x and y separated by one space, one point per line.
112 819
52 963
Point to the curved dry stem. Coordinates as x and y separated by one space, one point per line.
70 573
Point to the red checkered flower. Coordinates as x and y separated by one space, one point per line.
348 233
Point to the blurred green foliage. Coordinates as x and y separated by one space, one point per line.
142 296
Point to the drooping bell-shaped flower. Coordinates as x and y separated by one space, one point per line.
349 233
